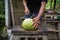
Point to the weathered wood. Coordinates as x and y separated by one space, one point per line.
29 37
17 11
59 29
12 13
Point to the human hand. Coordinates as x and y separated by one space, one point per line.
36 22
27 11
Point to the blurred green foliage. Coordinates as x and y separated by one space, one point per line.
58 2
49 3
57 7
2 15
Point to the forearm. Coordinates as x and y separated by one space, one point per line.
25 4
41 9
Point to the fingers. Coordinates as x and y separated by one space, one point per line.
34 23
36 26
27 12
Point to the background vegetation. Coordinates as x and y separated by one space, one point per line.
2 16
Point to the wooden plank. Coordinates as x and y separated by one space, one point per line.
36 38
26 38
45 38
54 30
59 29
17 11
11 5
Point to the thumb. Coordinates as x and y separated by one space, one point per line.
34 19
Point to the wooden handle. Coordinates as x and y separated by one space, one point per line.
55 30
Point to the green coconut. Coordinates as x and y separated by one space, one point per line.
27 24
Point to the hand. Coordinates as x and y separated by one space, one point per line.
27 11
36 22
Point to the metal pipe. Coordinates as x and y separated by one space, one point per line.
7 19
6 13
